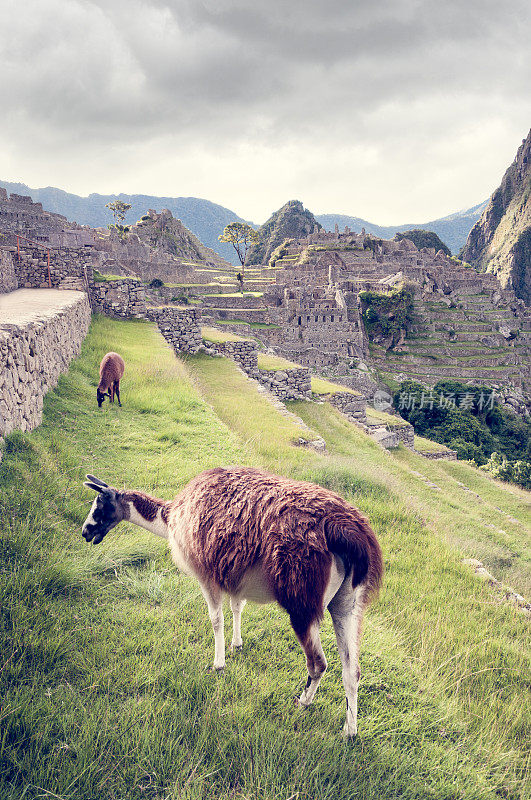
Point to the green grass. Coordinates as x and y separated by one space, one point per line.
275 363
423 445
320 386
102 672
375 417
214 335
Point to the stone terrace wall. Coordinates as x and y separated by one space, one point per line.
8 278
69 268
288 384
32 357
352 405
122 298
244 353
179 326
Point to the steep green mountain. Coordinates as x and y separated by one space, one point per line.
422 238
205 219
452 229
500 241
292 221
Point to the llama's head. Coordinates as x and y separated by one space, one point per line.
106 512
100 396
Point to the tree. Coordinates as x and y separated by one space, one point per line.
241 236
119 210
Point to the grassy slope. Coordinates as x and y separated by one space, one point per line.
103 679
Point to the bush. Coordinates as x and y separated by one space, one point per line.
387 314
156 283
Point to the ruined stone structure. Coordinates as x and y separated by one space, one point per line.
179 326
20 215
36 347
468 326
120 298
287 384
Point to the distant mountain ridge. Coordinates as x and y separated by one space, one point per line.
207 220
452 229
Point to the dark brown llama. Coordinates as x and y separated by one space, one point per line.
255 536
111 371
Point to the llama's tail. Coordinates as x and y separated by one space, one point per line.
350 537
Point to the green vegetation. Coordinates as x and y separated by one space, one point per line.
375 417
422 238
213 335
422 445
388 314
119 210
241 236
275 363
104 650
471 421
320 386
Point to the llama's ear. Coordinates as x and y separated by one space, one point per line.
97 481
94 486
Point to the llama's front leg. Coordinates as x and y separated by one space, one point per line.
236 605
117 388
212 596
316 663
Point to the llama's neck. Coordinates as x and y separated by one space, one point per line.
147 512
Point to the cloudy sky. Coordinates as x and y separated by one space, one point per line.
393 110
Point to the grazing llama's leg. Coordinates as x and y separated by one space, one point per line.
311 644
316 663
111 393
117 389
236 606
213 598
347 609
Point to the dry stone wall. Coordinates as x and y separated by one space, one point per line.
179 326
288 384
243 352
33 356
352 405
121 298
68 268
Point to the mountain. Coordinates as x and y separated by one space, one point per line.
205 219
500 241
422 238
452 229
292 221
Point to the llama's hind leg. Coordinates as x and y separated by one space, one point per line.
347 614
236 605
117 389
315 661
213 598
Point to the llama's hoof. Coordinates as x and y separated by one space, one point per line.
236 648
217 670
299 704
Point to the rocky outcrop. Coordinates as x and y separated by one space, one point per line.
500 242
292 221
422 238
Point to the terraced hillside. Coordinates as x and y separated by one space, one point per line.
472 339
104 649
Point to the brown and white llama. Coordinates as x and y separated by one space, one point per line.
256 536
111 371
